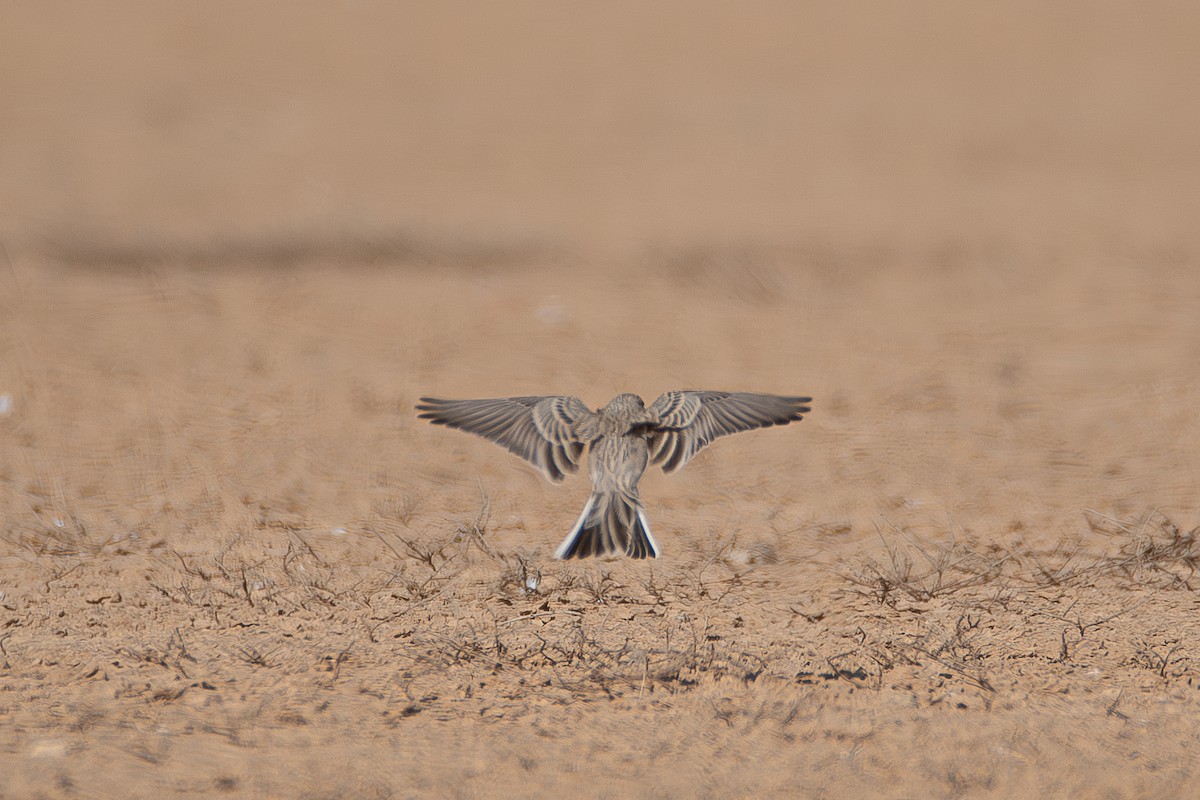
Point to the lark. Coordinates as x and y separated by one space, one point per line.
623 438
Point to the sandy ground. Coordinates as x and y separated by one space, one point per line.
237 247
234 559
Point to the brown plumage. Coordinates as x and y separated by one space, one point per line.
624 437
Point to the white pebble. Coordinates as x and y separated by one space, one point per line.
552 313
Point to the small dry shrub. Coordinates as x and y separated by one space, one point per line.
922 572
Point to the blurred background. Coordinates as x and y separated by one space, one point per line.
970 230
238 240
134 130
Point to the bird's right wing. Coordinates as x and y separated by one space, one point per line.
687 421
548 432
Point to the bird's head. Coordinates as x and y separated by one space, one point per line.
627 405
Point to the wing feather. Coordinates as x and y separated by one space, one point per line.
549 432
688 421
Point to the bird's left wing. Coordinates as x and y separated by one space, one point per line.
549 432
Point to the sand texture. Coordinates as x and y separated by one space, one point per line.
239 246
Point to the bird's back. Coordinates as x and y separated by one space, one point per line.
617 462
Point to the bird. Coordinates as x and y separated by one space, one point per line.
623 438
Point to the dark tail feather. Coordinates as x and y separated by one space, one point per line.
611 524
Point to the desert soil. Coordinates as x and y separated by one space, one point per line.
234 559
234 563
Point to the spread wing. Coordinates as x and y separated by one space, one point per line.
688 421
548 432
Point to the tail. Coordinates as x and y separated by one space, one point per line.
612 523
